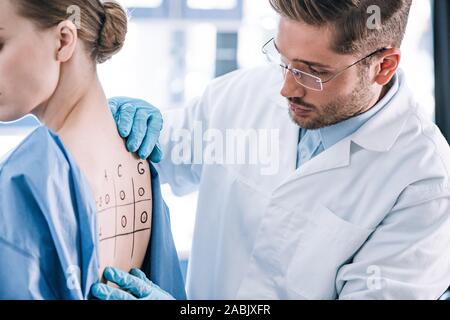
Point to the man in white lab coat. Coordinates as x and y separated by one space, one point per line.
355 203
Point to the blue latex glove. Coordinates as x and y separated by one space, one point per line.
141 123
132 286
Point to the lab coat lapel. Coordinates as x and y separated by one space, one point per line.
337 156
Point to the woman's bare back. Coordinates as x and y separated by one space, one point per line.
124 206
121 187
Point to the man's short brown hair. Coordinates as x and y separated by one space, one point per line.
350 20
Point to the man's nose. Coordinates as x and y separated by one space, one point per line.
291 88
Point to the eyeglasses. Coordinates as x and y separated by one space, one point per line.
305 79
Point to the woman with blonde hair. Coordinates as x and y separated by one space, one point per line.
73 201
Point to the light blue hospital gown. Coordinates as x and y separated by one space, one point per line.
48 227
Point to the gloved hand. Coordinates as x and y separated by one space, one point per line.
141 123
133 286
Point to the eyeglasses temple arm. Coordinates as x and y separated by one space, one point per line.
355 63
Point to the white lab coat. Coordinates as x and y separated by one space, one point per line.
368 218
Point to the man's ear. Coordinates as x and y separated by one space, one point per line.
67 37
387 65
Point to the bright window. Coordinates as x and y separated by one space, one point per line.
142 3
212 4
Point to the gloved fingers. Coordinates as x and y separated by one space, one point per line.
139 129
125 117
156 292
103 292
113 106
159 294
157 154
148 145
128 282
154 127
116 102
139 274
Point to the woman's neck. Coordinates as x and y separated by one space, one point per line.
86 111
78 97
78 113
72 103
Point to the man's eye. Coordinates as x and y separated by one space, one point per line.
297 73
318 73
